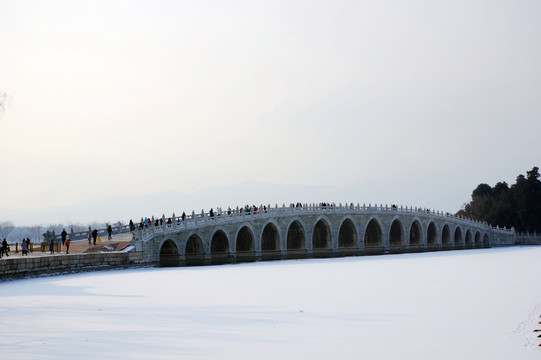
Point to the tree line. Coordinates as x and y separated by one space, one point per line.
518 205
13 233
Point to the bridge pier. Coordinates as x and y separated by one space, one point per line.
416 248
342 252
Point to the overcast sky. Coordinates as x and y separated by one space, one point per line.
137 97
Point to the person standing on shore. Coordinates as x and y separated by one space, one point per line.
68 242
95 235
5 247
109 231
64 234
24 247
51 246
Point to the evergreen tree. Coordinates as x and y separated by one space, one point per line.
518 206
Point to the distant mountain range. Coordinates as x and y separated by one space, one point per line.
125 207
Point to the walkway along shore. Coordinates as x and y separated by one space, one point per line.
107 254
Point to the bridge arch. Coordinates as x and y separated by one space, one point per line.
445 237
416 234
169 253
322 242
271 241
432 235
486 241
477 242
219 247
457 238
296 238
373 236
245 243
271 237
396 233
468 242
321 234
348 234
245 239
195 249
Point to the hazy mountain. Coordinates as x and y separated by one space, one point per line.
126 207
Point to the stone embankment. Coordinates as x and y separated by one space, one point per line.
110 254
21 267
528 239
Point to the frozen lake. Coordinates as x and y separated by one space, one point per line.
474 304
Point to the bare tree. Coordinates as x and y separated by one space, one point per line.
5 228
4 100
76 227
36 233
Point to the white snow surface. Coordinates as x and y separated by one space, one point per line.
470 304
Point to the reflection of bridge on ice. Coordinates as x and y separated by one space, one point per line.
311 231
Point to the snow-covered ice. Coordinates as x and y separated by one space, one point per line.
475 304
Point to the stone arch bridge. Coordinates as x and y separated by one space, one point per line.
310 231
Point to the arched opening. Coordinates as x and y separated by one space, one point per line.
245 245
269 239
468 240
486 242
458 239
478 243
321 238
195 253
269 243
295 236
416 240
432 235
296 240
445 237
373 239
169 254
347 236
395 234
219 248
245 239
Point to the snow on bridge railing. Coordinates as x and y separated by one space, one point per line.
149 226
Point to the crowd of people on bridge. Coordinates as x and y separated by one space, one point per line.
147 222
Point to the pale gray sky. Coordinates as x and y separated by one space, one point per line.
136 97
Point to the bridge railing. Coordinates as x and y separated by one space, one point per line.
194 220
81 235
